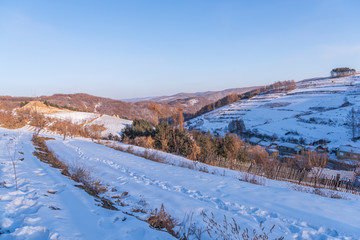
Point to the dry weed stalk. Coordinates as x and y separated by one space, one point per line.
231 230
13 158
189 229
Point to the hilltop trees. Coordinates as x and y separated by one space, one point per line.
342 72
280 86
156 109
38 121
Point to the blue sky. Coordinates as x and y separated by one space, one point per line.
125 49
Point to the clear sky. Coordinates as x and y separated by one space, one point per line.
125 49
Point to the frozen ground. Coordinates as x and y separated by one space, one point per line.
27 213
313 111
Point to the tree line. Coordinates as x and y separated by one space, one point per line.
277 86
194 145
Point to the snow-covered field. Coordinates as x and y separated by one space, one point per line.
314 110
28 213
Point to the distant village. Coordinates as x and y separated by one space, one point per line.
345 155
281 149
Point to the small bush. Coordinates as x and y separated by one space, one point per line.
162 220
253 179
320 192
83 175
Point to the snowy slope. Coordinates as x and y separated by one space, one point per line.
297 215
113 125
27 214
314 110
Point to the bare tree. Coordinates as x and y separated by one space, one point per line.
38 121
158 113
353 121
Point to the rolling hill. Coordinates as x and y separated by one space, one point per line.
316 109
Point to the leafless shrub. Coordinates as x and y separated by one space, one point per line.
190 229
153 156
95 131
258 154
120 199
141 206
203 169
187 165
38 121
320 192
130 150
254 179
12 121
83 175
160 219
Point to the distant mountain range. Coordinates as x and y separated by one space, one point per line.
130 109
208 95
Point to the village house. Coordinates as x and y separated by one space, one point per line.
273 152
348 152
290 148
254 140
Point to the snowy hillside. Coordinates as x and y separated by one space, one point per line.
112 124
316 109
48 206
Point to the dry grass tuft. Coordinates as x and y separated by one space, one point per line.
120 200
231 230
162 220
254 179
83 175
320 192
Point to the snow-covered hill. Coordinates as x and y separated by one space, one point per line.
113 125
47 205
316 109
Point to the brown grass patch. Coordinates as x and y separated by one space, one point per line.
160 220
